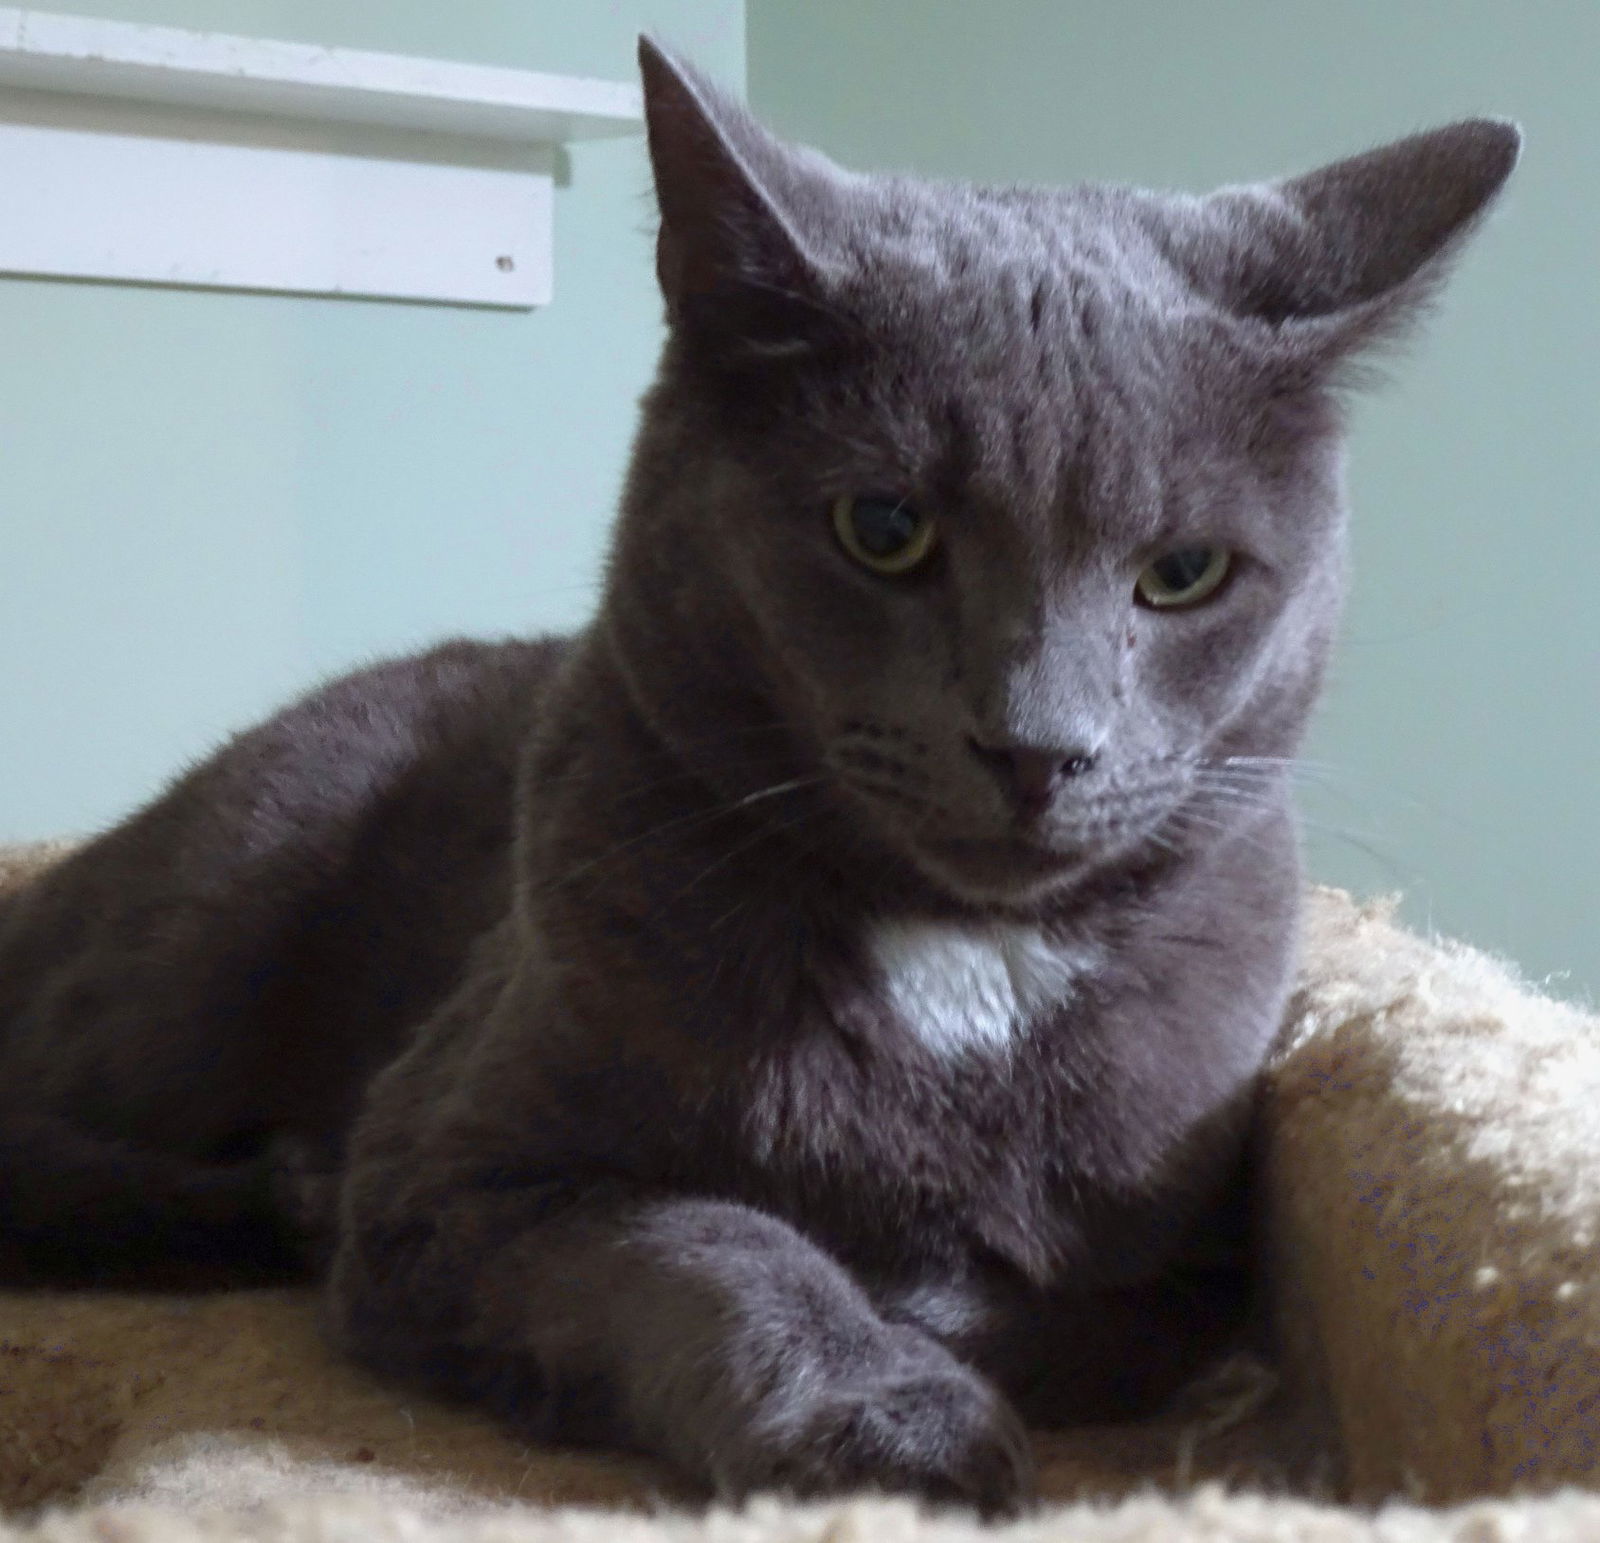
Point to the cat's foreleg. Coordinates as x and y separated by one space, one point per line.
721 1339
1073 1357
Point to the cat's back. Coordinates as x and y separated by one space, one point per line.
292 903
291 798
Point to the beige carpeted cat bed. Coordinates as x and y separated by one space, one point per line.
1431 1142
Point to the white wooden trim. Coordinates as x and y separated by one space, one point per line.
155 155
43 51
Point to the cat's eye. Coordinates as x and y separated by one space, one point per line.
886 535
1184 577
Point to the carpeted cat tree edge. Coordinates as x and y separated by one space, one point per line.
1430 1156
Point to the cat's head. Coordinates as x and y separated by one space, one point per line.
1020 508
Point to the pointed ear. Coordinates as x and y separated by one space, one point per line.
719 181
1348 254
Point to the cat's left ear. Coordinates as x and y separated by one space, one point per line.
1347 255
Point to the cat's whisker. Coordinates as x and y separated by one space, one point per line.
1162 844
541 784
1256 779
1369 803
1273 776
1257 797
1300 762
628 794
1264 777
679 824
763 833
1188 819
1204 785
873 788
1407 878
1274 770
684 743
1396 870
1321 777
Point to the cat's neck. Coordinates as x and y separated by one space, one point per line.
664 773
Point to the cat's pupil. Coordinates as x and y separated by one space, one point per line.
1183 569
884 526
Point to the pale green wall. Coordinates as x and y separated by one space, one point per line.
207 500
1465 718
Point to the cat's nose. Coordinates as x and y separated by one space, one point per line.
1031 775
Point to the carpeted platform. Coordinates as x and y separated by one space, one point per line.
1430 1151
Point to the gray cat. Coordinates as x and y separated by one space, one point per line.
802 1025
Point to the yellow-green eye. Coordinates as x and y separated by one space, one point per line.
1184 577
884 534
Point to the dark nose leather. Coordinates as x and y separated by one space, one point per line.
1031 775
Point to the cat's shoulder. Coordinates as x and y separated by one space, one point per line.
460 688
461 668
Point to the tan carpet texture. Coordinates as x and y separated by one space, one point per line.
1431 1193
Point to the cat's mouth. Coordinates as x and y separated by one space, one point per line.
1019 866
1002 861
997 871
1026 861
1021 860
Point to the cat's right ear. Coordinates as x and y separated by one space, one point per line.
720 183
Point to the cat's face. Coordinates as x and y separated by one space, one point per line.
1023 507
1042 686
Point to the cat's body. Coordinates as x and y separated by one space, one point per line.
819 1002
257 943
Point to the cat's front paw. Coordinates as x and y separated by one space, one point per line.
942 1435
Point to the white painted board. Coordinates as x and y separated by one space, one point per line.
46 51
157 155
122 193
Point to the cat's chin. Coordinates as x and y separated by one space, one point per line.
1004 870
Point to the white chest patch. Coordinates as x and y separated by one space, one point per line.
962 988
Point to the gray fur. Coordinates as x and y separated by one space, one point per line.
805 1023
